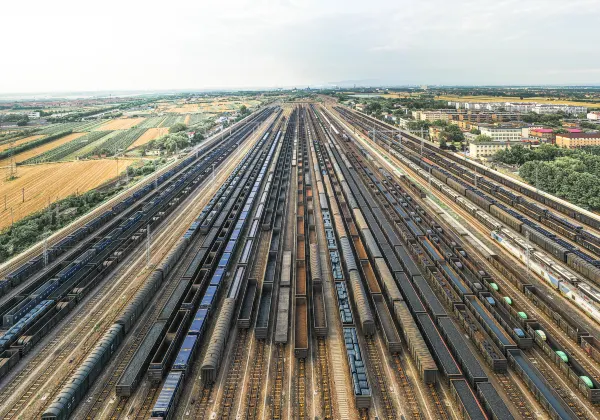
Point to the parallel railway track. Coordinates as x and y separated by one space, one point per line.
300 394
324 379
379 380
407 388
257 372
277 389
234 377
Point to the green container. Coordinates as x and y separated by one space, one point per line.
587 381
523 315
494 286
508 300
563 356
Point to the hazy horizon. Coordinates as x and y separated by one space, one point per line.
69 46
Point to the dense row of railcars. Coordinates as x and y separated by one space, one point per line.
60 281
429 312
542 198
135 370
271 215
507 314
240 220
94 264
304 218
216 348
584 295
349 279
124 207
70 395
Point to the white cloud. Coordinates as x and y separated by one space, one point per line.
72 45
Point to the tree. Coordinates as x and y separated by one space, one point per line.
439 123
483 138
176 128
373 108
418 125
475 131
243 109
452 134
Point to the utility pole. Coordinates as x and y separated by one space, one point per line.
429 177
528 256
155 176
148 245
45 251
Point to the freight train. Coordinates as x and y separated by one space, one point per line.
66 402
583 295
434 163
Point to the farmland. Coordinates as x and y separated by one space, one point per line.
148 136
171 120
541 100
65 149
57 159
118 142
20 142
21 157
51 182
119 124
151 122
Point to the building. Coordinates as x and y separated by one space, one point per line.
34 115
575 140
403 122
433 115
554 109
360 107
434 132
500 133
545 134
594 115
478 150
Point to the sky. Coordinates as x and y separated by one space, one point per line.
67 45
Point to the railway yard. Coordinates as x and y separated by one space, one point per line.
309 262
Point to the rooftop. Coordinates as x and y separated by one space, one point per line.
580 135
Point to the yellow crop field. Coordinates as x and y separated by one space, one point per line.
149 135
20 142
541 100
119 124
183 109
41 149
53 181
187 119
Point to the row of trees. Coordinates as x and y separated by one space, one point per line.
37 226
564 179
177 139
572 174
